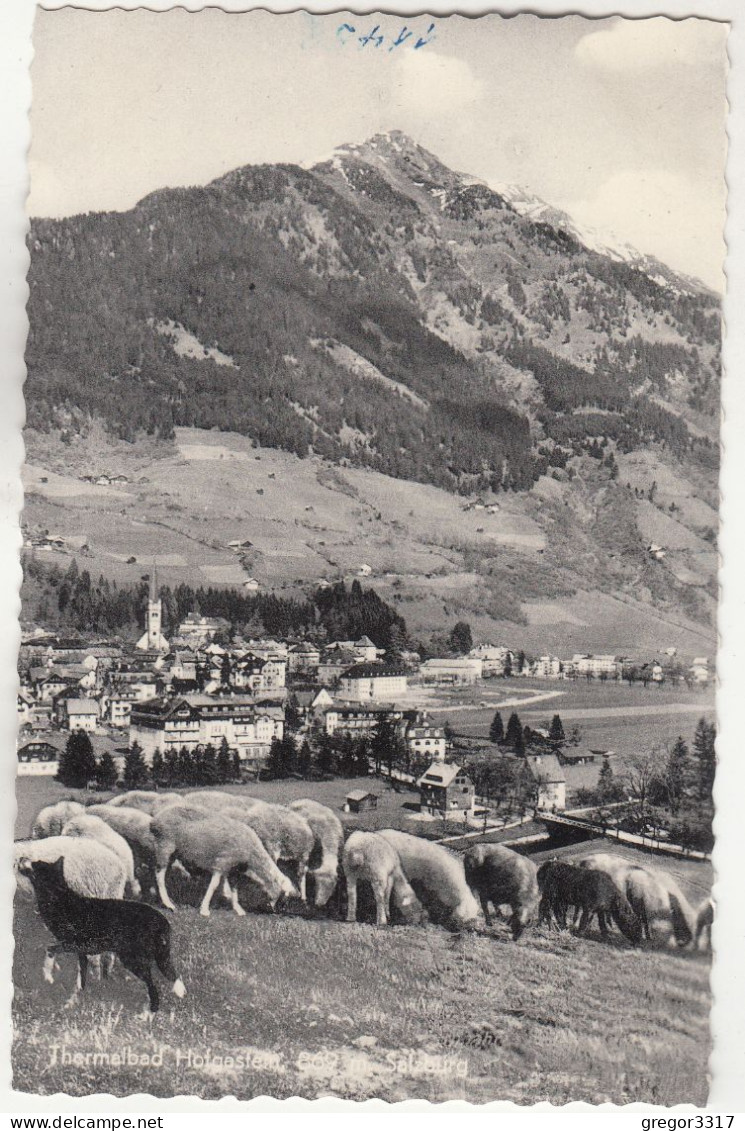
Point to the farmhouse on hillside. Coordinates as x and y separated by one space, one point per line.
445 790
550 781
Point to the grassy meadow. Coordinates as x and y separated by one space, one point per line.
290 1004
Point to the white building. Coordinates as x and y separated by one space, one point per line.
547 667
594 666
199 720
373 683
81 714
426 742
493 659
459 672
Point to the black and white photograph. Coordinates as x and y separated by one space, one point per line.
370 547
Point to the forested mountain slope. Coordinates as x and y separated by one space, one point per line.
382 311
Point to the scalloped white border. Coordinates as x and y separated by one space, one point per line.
728 980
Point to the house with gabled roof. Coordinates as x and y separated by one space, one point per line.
446 790
550 781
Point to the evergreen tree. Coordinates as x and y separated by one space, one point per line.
680 776
292 715
449 733
305 760
606 785
186 767
705 754
326 756
507 665
171 767
77 763
514 732
237 769
362 757
496 730
521 740
556 731
460 639
156 767
519 663
135 767
107 774
226 670
396 642
207 766
224 762
276 766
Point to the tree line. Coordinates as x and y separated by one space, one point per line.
72 599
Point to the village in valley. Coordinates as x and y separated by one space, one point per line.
441 737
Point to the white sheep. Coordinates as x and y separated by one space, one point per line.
50 820
285 834
217 844
133 825
329 835
147 800
217 798
90 868
367 856
88 825
437 876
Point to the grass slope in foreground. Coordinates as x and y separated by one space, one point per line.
469 1016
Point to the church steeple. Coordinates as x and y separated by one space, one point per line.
154 583
154 611
153 639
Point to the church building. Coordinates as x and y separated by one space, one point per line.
153 639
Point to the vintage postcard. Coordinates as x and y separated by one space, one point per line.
366 701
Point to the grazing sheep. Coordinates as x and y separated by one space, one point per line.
50 820
286 835
329 833
653 894
148 801
90 868
133 825
367 856
217 844
218 799
437 877
704 923
136 799
500 875
592 891
139 935
87 825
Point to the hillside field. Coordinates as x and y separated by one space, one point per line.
315 1006
307 521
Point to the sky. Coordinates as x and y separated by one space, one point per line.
619 122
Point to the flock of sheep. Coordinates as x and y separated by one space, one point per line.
109 851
